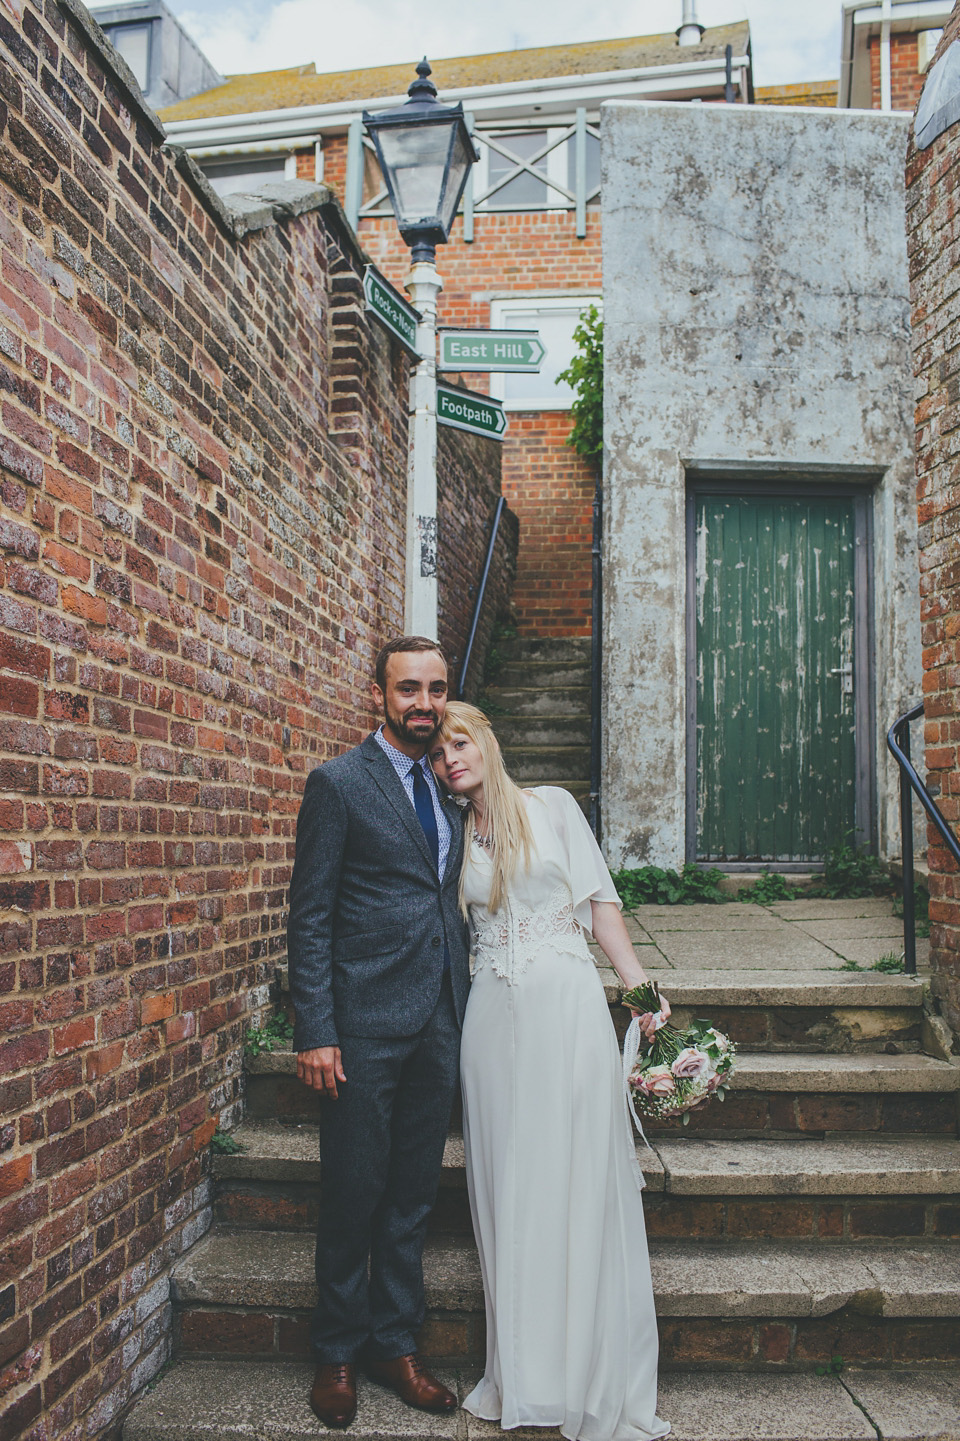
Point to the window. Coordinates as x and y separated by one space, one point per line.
133 43
555 318
525 188
248 173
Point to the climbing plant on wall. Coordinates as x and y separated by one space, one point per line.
584 375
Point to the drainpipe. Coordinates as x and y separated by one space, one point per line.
886 90
690 32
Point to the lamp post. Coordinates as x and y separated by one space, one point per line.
425 153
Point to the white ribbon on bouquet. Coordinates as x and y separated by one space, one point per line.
631 1050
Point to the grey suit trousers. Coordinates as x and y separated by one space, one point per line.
381 1149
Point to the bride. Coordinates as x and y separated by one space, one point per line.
552 1173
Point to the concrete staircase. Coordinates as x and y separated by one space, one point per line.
816 1213
540 711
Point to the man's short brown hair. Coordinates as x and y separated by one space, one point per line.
402 644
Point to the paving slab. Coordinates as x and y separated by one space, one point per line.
277 1152
735 915
916 1166
261 1401
844 1074
819 908
910 1405
705 986
865 952
853 928
737 1406
783 949
733 1278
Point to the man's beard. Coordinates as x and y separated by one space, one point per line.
400 725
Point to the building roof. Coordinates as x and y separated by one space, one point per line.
810 92
301 85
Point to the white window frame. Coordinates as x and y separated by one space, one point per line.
556 169
501 309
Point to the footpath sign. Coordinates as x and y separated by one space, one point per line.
390 308
465 410
513 350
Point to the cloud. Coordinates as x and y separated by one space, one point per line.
790 42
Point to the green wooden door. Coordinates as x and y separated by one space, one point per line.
775 722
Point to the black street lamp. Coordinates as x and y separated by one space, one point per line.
425 153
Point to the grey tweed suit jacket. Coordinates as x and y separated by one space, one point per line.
369 917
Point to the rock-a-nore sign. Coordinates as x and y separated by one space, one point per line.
465 410
513 350
389 306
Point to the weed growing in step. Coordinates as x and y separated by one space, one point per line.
275 1035
891 964
222 1144
652 886
851 873
833 1367
767 889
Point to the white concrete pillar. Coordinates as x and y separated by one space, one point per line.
420 601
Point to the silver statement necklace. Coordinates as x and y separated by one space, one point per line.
486 842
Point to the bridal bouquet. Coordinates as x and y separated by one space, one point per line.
677 1070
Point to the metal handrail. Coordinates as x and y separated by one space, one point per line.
480 597
898 742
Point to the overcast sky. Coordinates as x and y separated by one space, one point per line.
792 39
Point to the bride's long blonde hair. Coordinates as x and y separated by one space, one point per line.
506 811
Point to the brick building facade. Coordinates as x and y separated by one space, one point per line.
933 229
526 243
202 510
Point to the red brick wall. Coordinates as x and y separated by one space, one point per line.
933 238
202 511
547 485
906 81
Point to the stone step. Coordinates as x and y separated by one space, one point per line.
546 675
839 1190
536 700
253 1291
532 765
544 649
248 1400
541 730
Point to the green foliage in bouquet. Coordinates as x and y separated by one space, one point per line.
657 1091
651 886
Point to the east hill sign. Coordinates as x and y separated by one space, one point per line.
513 350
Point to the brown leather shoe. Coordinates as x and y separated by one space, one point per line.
333 1395
412 1382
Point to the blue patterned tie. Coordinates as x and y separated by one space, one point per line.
423 804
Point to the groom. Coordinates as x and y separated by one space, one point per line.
379 977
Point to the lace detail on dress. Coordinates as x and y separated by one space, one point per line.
509 941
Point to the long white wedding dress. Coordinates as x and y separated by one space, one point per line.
552 1173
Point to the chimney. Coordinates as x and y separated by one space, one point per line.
691 30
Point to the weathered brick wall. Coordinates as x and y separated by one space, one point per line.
933 237
547 485
202 511
906 79
467 506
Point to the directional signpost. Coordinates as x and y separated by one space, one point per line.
389 306
465 410
513 350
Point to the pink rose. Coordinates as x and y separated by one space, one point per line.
657 1081
690 1065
